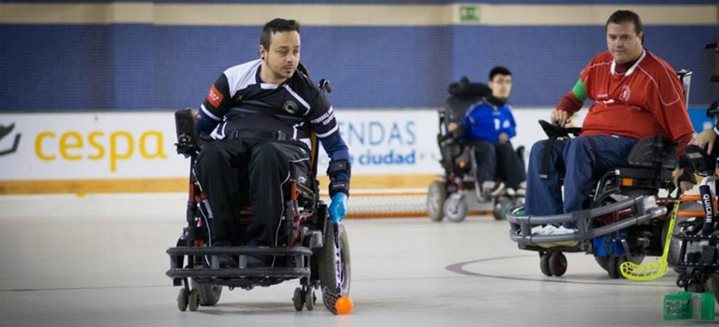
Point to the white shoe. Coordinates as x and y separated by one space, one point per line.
487 187
561 230
491 189
552 230
544 230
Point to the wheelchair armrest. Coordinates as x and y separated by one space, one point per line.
188 139
556 131
700 160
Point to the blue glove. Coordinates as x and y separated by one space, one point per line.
338 207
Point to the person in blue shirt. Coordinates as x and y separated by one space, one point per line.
489 125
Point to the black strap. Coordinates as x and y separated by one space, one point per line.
546 156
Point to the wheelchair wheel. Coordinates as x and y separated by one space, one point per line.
544 264
557 263
209 293
298 300
193 300
455 209
436 195
182 299
334 265
602 261
613 263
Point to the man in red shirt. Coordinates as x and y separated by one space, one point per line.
636 94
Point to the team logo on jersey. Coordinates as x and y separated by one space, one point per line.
214 97
624 97
290 106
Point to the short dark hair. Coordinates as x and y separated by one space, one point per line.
499 70
277 25
624 16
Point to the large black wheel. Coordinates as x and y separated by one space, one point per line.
602 261
209 293
436 195
334 265
557 264
613 266
544 264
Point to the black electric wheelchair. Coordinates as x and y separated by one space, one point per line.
695 243
315 250
626 213
457 192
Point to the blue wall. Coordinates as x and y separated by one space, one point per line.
148 67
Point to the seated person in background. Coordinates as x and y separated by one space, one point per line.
488 126
636 94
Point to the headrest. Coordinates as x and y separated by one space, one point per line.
465 88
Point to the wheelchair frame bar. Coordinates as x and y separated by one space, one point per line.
237 272
521 226
239 250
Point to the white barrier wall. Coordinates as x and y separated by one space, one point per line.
140 145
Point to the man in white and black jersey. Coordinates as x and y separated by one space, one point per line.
260 115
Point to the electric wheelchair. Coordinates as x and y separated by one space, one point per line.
314 250
693 251
626 215
694 247
457 191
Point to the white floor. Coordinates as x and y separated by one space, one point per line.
100 261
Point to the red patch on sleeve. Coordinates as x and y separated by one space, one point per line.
214 97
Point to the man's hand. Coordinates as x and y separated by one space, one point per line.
338 207
503 138
705 140
560 117
683 185
452 127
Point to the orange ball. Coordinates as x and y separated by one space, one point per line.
344 305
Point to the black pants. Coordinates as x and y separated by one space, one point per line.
232 171
490 156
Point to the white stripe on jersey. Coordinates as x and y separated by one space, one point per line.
329 132
209 114
299 98
242 75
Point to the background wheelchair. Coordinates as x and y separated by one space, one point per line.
625 220
457 191
316 251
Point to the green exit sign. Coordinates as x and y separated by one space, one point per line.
469 13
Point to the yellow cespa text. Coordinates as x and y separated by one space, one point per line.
98 145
